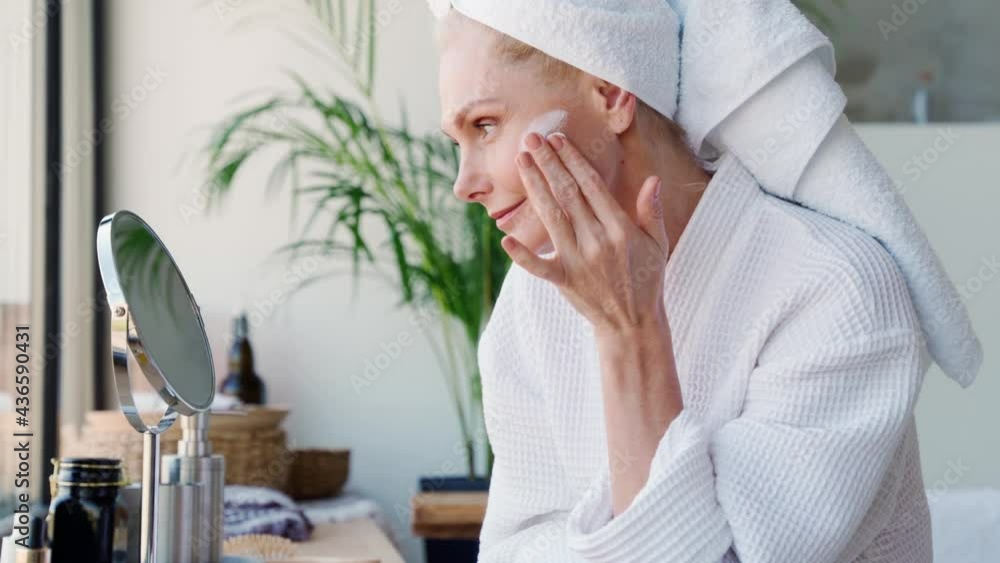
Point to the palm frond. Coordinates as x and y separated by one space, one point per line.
357 175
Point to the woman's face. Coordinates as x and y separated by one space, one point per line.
487 107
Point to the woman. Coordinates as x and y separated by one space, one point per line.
680 366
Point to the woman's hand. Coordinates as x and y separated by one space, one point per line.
609 268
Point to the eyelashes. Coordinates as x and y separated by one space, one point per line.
481 126
484 127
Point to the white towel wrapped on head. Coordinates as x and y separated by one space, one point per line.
755 78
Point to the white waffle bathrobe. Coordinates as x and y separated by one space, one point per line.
800 359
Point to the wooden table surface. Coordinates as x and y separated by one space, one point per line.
448 515
358 540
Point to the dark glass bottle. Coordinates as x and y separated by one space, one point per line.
242 381
88 519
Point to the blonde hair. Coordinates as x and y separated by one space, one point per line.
555 71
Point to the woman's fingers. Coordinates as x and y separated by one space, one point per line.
563 185
546 206
546 268
602 204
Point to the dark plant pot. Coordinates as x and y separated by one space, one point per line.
452 551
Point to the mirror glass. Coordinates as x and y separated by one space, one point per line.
165 314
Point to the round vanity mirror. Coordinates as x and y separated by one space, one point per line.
154 315
155 322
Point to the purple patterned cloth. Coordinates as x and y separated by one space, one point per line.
260 510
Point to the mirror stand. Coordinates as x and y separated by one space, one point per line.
170 348
150 487
125 344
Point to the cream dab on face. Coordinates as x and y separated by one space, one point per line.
546 124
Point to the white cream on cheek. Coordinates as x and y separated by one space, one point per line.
545 124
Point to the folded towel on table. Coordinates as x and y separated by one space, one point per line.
260 510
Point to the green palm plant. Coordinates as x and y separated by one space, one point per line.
356 173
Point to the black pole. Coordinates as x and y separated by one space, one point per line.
53 223
100 299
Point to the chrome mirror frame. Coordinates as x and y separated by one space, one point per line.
126 342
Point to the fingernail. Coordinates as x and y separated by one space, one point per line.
556 140
656 190
533 141
524 160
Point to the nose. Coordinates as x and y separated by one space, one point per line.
471 185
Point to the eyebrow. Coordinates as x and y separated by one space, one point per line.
463 111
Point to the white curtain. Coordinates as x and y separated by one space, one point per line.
24 133
21 274
79 130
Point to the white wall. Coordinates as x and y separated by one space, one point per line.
196 64
956 201
198 56
15 162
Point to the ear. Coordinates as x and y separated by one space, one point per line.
618 105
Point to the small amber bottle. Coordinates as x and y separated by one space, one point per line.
242 380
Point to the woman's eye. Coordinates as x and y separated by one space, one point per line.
485 127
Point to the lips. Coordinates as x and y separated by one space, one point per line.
500 214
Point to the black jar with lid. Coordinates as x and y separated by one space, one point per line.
88 519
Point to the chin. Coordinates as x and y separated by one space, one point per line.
530 232
534 237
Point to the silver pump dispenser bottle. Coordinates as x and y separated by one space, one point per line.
195 464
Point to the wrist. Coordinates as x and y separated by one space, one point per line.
651 327
635 351
638 359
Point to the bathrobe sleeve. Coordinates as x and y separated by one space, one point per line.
539 538
526 518
526 515
790 479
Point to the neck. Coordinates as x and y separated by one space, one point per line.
684 181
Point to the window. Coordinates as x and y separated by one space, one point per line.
17 226
47 226
916 61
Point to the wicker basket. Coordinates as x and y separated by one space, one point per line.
254 446
318 473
